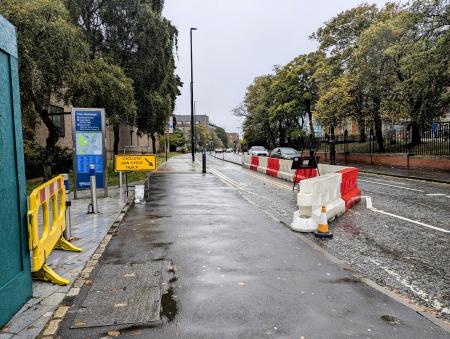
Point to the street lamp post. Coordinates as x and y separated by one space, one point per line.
192 100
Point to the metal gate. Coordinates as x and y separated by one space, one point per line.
15 272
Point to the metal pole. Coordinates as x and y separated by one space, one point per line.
204 160
167 143
67 231
93 205
192 99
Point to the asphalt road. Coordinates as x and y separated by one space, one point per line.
230 269
403 243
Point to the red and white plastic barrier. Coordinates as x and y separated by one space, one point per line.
336 188
277 168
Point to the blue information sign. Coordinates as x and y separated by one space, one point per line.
89 145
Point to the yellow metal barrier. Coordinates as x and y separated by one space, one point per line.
51 193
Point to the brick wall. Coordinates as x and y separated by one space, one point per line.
394 160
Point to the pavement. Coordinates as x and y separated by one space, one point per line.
88 230
210 256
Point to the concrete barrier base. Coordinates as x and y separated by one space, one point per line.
335 209
303 223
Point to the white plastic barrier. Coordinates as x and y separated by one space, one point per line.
315 193
262 167
327 169
246 160
285 171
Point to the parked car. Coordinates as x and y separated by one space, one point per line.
228 150
287 153
218 150
259 151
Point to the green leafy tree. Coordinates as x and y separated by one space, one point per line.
177 139
338 40
134 35
216 140
222 135
99 84
50 47
257 126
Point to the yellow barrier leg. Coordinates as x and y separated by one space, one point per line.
47 274
65 245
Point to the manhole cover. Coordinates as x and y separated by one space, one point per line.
122 294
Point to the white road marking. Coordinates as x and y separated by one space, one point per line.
435 194
383 184
369 206
368 201
269 181
416 290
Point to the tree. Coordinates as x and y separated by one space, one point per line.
216 141
222 135
295 92
258 129
139 39
99 84
177 139
50 48
338 40
134 35
202 136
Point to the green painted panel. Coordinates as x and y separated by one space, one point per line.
8 42
15 277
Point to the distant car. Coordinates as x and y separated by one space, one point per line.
218 150
229 150
259 151
287 153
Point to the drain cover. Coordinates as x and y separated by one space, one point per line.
122 294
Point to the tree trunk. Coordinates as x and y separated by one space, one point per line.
378 125
379 132
281 135
50 143
153 143
116 129
311 124
415 134
362 128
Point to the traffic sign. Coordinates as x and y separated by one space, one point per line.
169 127
135 163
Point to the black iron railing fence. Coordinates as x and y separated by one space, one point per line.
433 141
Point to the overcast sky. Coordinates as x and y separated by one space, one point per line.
238 40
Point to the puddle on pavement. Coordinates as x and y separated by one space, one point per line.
343 280
169 307
153 216
390 319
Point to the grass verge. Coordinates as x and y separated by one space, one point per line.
113 177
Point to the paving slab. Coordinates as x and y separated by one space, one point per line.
88 231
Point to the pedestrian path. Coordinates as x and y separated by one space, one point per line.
199 261
88 230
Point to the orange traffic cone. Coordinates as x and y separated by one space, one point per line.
322 228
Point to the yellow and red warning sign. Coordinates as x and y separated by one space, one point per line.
135 163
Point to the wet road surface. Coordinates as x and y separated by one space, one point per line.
403 243
229 269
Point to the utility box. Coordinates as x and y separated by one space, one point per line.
15 276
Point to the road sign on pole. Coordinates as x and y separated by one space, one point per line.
135 163
169 128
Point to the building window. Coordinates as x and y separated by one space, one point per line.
57 116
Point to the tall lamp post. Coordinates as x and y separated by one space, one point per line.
192 101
